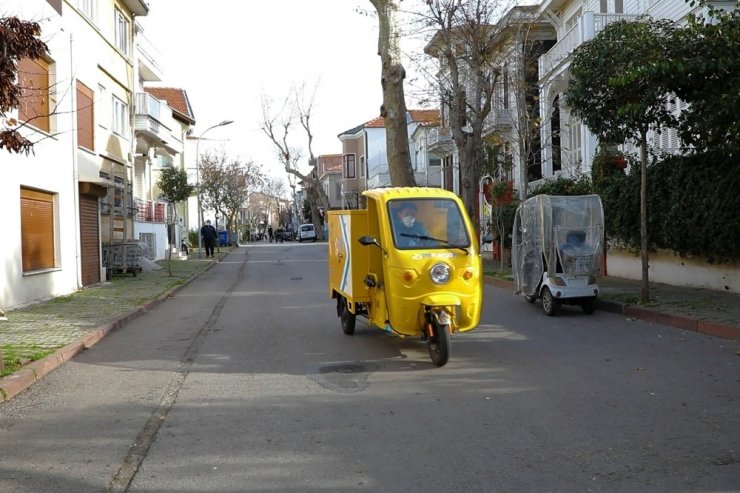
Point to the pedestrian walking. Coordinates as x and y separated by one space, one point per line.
209 235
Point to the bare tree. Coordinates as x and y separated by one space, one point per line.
240 178
277 127
212 181
226 183
393 109
274 190
467 45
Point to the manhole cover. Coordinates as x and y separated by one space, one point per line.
342 369
342 377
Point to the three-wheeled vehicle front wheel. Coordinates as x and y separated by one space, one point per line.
347 318
439 343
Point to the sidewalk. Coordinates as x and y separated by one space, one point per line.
54 331
42 336
709 312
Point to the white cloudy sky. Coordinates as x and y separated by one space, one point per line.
226 53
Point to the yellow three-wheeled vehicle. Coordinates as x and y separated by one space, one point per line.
409 263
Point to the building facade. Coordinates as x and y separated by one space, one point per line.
81 190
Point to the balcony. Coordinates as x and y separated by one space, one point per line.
378 176
588 26
498 119
154 124
150 211
440 141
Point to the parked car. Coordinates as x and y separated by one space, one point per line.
306 232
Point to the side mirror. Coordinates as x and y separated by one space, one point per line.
370 240
367 240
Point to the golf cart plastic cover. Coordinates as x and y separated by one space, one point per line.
556 234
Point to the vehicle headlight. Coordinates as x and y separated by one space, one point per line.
440 273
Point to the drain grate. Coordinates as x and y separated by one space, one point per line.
296 278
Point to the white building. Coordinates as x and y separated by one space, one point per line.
80 189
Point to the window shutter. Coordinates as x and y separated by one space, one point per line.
37 230
33 76
85 117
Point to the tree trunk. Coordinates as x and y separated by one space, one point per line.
317 201
645 290
394 103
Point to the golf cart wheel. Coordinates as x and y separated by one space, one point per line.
439 343
549 304
589 307
530 298
348 319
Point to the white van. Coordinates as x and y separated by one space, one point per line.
306 232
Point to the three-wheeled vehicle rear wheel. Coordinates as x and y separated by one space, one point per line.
589 306
439 343
347 318
549 304
530 298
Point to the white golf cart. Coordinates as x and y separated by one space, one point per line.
556 250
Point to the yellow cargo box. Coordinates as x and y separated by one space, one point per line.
348 260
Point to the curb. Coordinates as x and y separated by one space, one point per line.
31 373
706 327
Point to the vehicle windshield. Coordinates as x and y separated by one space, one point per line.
427 224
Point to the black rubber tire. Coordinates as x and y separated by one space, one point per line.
439 344
348 319
549 304
589 307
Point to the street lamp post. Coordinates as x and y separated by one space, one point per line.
197 179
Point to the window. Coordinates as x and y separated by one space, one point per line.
349 165
87 7
362 166
37 230
103 115
120 117
122 32
85 117
337 190
618 7
33 78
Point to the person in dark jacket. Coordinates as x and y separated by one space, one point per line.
407 231
209 235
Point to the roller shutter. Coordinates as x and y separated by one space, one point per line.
89 240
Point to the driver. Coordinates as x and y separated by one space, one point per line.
405 223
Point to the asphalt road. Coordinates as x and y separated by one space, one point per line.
244 381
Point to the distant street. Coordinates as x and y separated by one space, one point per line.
244 381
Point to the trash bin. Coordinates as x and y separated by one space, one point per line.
223 238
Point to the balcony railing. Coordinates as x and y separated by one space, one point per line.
588 26
150 211
378 177
148 113
440 141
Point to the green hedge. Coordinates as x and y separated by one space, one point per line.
693 203
693 206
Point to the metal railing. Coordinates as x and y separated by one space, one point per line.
588 26
151 211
